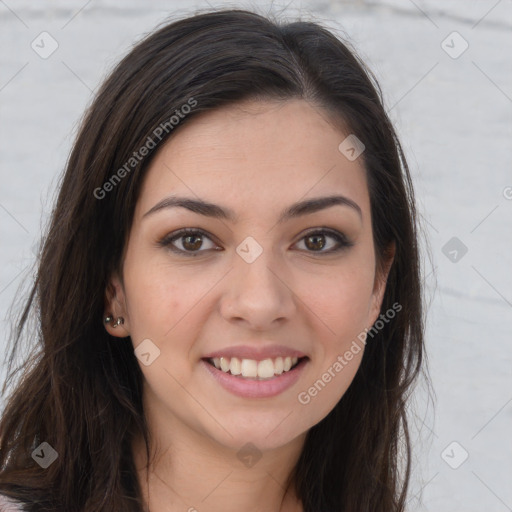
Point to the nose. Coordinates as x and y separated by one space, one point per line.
257 294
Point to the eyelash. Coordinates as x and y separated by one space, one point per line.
342 240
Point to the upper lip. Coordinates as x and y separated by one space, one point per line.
258 353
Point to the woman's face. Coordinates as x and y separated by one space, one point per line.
265 279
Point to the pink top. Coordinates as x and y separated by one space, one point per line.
9 505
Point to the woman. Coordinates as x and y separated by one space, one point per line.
228 296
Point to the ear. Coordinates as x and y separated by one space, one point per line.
381 278
115 306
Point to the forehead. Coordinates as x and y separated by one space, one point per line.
255 156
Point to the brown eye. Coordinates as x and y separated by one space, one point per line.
191 240
316 241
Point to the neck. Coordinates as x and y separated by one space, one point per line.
194 473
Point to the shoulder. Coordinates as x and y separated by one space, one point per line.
9 504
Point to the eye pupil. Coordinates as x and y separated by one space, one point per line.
193 246
315 239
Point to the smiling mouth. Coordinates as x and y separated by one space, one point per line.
252 369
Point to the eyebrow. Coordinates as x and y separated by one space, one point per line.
298 209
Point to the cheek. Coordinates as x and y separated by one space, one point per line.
166 303
342 301
157 298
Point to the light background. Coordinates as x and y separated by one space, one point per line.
454 118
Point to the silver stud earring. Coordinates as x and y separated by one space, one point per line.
109 318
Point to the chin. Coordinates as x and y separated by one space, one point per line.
260 435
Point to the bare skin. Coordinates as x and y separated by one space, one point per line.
298 292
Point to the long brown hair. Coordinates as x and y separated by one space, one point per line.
80 392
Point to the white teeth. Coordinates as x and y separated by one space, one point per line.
235 367
224 364
251 368
279 366
266 369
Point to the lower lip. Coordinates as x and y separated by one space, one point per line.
250 388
